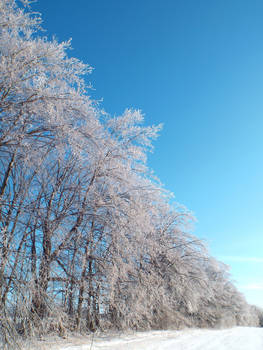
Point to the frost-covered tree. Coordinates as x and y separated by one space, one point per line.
88 237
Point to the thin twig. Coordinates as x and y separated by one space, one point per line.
92 338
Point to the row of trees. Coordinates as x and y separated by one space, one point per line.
88 237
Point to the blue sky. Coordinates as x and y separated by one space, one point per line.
197 67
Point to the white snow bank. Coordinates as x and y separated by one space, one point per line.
240 338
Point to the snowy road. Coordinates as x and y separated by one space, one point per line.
241 338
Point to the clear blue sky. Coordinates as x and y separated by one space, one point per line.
197 67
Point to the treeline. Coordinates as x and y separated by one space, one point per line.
89 239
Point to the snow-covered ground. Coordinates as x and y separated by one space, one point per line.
240 338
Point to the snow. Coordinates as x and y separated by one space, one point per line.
240 338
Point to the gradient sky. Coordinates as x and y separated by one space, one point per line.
197 67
